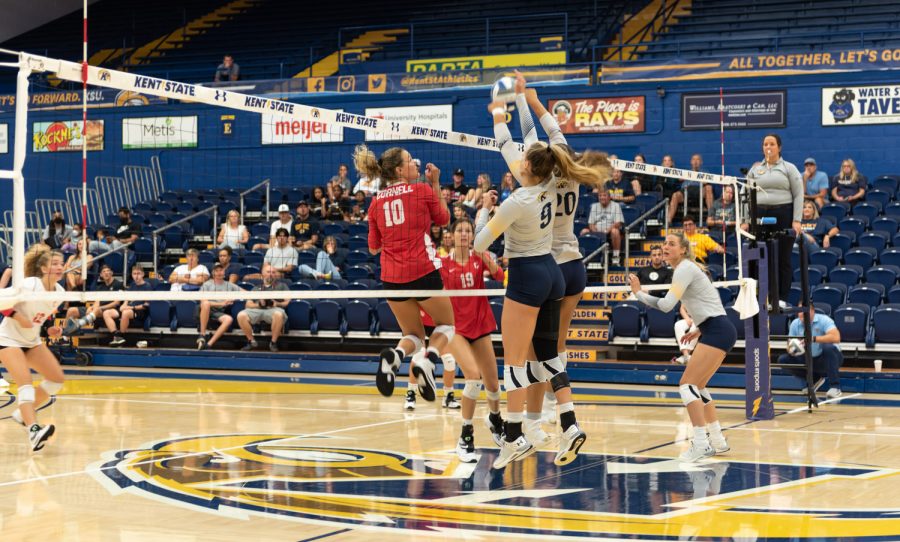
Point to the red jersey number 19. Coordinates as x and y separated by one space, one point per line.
393 213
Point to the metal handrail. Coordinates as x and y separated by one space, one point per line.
663 203
268 185
604 248
155 233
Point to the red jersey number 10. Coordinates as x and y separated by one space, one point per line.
393 213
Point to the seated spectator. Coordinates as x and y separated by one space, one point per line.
102 244
87 315
57 233
507 185
338 206
359 198
341 179
231 268
218 311
701 243
190 275
228 70
127 231
306 227
447 196
815 183
233 234
459 212
606 218
620 190
329 261
708 189
815 227
437 235
482 185
74 278
681 189
6 278
826 352
130 310
458 188
357 213
682 328
655 273
367 186
282 257
849 185
76 235
644 183
318 202
447 243
285 221
723 211
269 311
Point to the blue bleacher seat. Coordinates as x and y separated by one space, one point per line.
843 240
886 184
386 319
625 321
359 316
861 256
726 295
333 228
631 213
834 210
887 224
355 285
300 287
867 209
252 257
893 295
869 294
357 257
299 313
892 209
160 313
330 316
357 272
589 243
824 257
845 274
358 242
307 257
247 270
885 275
852 321
778 323
890 256
661 324
855 224
202 225
327 285
833 293
875 239
143 250
358 229
880 197
260 229
885 323
186 314
256 240
816 274
207 258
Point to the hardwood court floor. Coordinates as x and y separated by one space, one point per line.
191 456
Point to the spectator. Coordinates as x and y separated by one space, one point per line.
369 187
215 310
306 227
447 196
232 269
447 243
270 311
228 70
701 243
131 310
459 212
437 235
655 273
74 237
708 190
482 186
285 221
815 183
6 278
849 185
458 188
645 183
233 234
620 190
88 315
825 350
282 257
816 227
329 261
74 278
357 212
128 230
606 218
341 179
338 205
57 232
724 213
682 328
190 275
687 189
507 185
102 244
318 202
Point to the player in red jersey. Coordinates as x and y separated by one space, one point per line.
400 218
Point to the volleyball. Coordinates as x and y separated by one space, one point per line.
504 89
795 347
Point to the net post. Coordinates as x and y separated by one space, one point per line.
807 323
18 180
758 398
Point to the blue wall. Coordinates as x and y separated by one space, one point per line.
240 160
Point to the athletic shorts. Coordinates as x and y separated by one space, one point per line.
575 276
534 280
431 281
263 315
718 332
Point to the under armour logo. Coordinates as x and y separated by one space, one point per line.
220 96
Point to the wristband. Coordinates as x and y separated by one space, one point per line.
498 111
8 313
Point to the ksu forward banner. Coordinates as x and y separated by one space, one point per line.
281 130
67 136
600 115
431 116
159 132
852 106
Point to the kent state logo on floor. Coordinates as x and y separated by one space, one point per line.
289 477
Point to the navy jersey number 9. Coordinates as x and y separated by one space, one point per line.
546 215
565 205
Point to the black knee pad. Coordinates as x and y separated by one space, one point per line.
546 330
559 381
544 349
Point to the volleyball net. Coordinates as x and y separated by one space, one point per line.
189 167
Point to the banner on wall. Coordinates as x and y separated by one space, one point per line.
762 109
599 115
852 106
279 130
57 100
4 138
545 58
434 117
159 132
754 65
65 136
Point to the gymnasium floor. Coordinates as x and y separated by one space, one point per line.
188 456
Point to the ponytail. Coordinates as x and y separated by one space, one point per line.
590 168
384 167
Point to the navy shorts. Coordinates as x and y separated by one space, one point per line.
575 277
534 280
718 332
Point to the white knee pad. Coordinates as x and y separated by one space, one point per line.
417 343
705 396
447 331
492 395
537 372
52 388
554 366
564 357
26 394
449 362
515 378
472 389
689 393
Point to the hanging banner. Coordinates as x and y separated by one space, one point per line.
281 130
765 109
98 97
439 117
159 133
66 136
599 115
852 106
